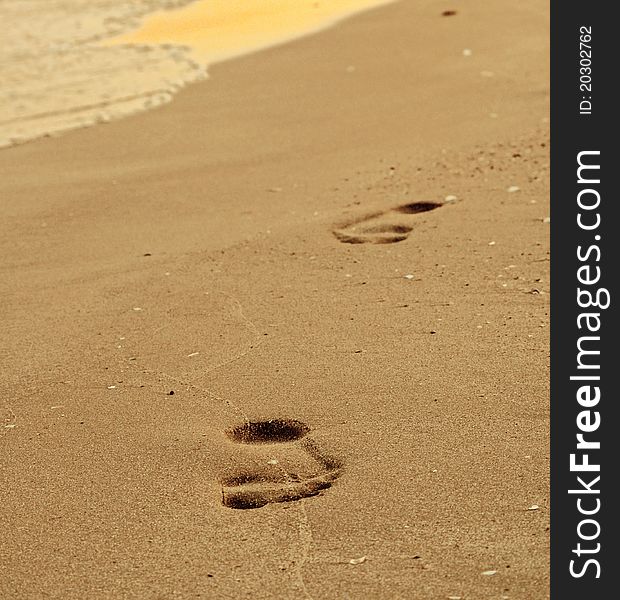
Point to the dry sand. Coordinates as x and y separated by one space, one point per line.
201 248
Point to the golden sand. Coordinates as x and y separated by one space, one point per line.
243 358
219 29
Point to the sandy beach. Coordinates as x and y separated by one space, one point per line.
344 240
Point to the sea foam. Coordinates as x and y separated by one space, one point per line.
55 75
66 64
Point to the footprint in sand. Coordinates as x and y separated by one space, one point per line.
388 227
278 462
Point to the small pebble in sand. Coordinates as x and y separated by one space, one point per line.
488 573
513 188
111 387
272 461
450 198
533 507
171 393
137 308
467 52
455 597
492 243
357 561
448 13
408 276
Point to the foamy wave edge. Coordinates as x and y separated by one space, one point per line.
58 77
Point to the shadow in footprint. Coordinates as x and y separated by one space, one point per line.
274 431
416 207
301 470
383 228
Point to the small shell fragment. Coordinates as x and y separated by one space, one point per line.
488 573
513 188
357 561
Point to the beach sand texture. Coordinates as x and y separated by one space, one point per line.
287 335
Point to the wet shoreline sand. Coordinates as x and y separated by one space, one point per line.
198 249
79 63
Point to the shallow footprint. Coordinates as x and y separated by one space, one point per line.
388 227
280 464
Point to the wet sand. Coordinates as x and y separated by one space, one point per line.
216 31
237 247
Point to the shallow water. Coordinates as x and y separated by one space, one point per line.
66 64
55 76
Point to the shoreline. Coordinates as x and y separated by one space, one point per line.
213 34
194 249
58 78
141 60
